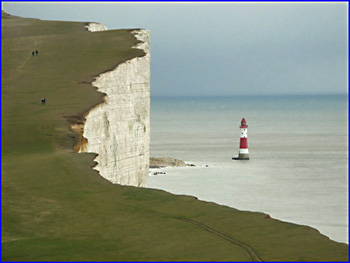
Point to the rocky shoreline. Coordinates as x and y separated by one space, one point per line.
166 162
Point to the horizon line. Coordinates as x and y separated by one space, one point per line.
254 95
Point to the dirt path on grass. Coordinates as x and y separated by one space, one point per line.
249 250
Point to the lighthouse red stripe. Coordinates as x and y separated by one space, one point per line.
243 143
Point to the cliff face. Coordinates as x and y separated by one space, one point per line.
93 27
118 130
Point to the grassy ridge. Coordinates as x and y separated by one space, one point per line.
55 207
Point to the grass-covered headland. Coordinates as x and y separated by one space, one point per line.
55 207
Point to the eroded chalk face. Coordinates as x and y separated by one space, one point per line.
95 27
118 130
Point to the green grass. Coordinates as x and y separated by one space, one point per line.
55 207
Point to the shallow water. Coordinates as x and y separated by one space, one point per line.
298 148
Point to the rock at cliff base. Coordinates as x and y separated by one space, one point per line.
166 162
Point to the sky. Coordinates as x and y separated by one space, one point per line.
226 49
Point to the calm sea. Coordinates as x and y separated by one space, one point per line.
298 146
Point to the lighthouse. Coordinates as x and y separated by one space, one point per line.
243 145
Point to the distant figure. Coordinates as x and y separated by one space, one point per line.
37 52
33 53
43 100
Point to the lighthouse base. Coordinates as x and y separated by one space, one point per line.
243 156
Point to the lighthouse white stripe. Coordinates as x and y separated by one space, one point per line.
245 151
244 133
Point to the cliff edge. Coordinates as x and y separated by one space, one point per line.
118 129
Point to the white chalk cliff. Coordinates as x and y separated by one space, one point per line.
118 129
94 27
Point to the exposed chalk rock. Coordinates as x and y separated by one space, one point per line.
166 162
93 27
118 130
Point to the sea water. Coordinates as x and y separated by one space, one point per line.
298 147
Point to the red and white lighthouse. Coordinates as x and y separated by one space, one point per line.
243 145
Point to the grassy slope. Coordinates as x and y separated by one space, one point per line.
55 207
